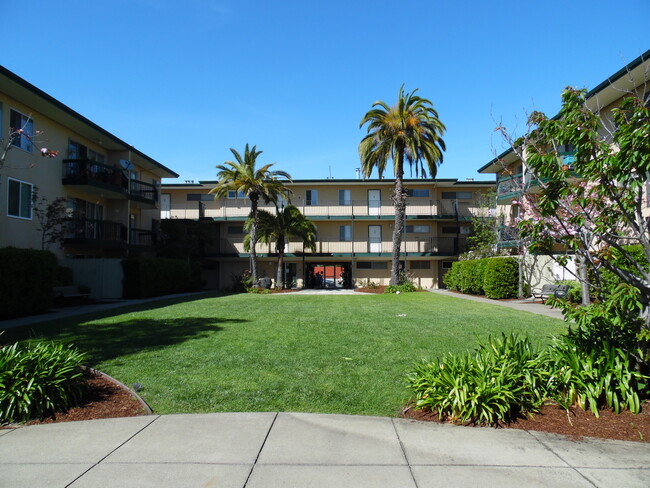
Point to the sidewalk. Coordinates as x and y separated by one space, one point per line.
525 305
254 450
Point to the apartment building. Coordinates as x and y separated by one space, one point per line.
111 189
354 220
513 177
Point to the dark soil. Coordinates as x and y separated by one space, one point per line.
575 423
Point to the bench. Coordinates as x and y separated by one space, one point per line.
558 291
62 292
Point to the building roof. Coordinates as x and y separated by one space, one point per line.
630 76
24 92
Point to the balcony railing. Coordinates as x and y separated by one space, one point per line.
87 172
142 237
509 185
425 246
106 177
92 230
508 236
143 191
240 209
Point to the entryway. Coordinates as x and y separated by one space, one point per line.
328 276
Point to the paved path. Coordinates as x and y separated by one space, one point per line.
254 450
526 305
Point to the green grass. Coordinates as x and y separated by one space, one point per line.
330 354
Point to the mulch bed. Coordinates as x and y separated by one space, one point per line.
575 423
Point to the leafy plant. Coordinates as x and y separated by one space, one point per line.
39 379
501 278
503 379
593 379
406 287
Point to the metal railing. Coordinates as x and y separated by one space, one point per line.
429 245
88 172
142 237
94 230
508 234
240 209
143 190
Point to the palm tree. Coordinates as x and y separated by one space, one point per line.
288 223
409 130
241 176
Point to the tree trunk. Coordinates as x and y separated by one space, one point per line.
253 254
399 201
582 274
279 275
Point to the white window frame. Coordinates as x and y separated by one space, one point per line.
311 198
27 125
20 195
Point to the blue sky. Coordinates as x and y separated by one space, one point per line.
185 81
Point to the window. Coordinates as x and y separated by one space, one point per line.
418 193
465 229
344 197
456 195
25 124
234 194
235 229
311 197
447 264
372 264
420 264
19 199
450 230
200 197
418 229
345 233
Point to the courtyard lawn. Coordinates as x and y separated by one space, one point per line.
286 352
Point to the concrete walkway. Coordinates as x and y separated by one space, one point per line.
525 305
254 450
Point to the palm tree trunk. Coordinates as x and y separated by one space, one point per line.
253 234
399 201
279 275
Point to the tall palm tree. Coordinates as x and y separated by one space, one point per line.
242 176
410 130
288 223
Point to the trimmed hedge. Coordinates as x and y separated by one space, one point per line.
28 276
501 278
150 277
493 277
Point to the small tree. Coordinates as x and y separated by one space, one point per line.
482 242
593 206
51 216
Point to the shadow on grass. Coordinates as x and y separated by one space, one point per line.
104 341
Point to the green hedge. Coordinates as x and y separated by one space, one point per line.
150 277
28 276
501 278
492 277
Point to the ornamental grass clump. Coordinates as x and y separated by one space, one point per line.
39 379
500 381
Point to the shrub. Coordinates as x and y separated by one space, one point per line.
502 380
470 276
450 279
150 277
28 276
403 288
593 379
39 379
501 277
63 276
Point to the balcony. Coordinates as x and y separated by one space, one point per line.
430 246
509 187
508 236
328 210
95 177
144 193
101 233
109 181
145 238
